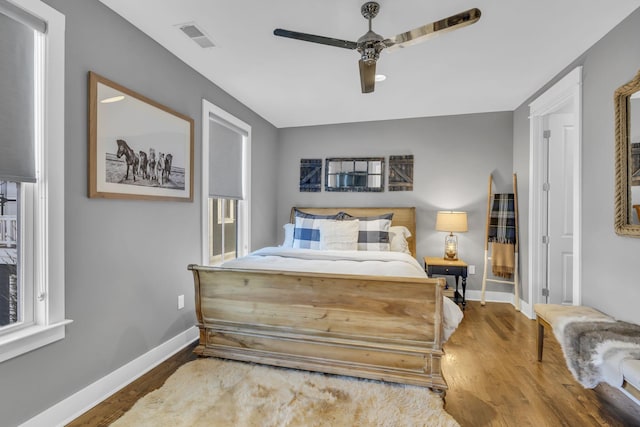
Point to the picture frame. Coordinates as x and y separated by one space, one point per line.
138 148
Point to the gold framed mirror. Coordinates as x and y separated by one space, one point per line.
627 124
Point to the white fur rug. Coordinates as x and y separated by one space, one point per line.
594 351
216 392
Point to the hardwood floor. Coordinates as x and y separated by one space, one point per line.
116 405
493 375
495 379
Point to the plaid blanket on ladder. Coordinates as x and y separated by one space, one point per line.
502 221
502 235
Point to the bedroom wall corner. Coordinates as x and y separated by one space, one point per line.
522 170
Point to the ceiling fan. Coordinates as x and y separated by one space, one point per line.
371 44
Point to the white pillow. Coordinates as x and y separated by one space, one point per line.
288 235
398 235
339 235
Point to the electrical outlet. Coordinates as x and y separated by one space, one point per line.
472 269
180 302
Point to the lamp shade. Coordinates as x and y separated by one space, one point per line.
451 221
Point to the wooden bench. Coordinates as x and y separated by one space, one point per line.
550 314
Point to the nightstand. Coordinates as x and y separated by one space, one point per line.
442 267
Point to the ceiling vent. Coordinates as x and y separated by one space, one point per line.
196 34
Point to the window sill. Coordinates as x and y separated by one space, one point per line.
30 338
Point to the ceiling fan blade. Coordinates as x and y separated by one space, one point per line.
428 31
367 76
315 39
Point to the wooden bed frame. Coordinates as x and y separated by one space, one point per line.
377 327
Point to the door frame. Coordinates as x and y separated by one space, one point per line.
565 96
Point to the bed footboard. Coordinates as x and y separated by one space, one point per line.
376 327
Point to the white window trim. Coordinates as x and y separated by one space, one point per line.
49 321
244 206
226 216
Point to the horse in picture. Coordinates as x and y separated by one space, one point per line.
160 168
152 164
136 163
143 165
130 155
167 166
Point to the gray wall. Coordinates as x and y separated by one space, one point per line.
125 260
610 262
453 157
521 169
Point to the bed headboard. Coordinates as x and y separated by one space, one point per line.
401 216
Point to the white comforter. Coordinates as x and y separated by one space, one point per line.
344 262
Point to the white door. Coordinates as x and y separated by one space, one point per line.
555 215
562 140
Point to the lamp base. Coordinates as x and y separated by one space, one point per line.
451 247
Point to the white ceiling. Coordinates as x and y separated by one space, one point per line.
493 65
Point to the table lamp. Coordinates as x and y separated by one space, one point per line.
451 221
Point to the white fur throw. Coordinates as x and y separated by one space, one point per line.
588 345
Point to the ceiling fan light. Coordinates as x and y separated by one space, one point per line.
380 77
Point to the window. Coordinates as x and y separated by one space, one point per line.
226 211
226 154
223 231
31 175
10 294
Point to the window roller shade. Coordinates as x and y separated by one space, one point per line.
225 161
17 122
17 14
228 125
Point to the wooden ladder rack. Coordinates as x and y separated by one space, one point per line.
487 258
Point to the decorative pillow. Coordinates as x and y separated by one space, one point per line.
374 231
288 235
339 235
399 235
306 233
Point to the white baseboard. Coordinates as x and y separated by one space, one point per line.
503 297
85 399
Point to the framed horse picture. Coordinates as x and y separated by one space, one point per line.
138 148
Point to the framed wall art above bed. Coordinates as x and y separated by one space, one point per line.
401 173
310 175
359 174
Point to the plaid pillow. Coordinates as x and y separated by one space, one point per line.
306 234
374 231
